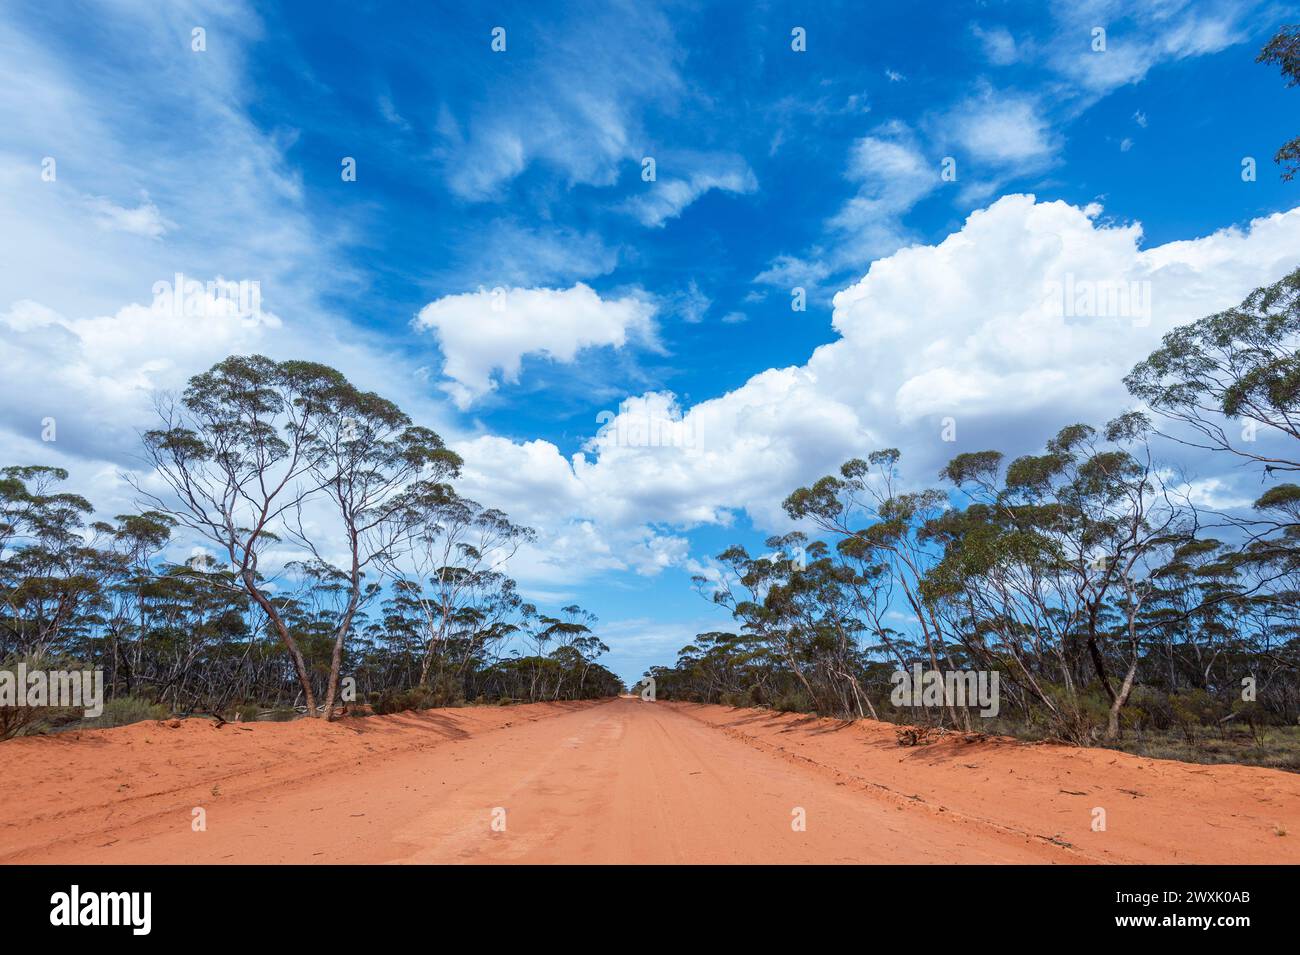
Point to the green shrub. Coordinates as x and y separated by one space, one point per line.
1080 716
1148 709
125 710
1193 709
1251 715
752 696
401 701
282 714
34 720
793 701
447 690
248 712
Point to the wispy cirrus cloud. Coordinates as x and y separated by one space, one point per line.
891 173
673 190
1138 37
144 219
568 93
1009 131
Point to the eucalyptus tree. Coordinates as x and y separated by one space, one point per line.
1230 383
742 585
715 667
561 633
878 523
1069 541
139 539
1081 572
52 561
238 453
1283 51
195 651
817 595
456 549
578 659
486 620
565 655
252 450
1233 377
376 468
731 667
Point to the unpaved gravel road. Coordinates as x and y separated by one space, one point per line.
616 781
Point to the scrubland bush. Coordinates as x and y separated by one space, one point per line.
793 701
33 720
125 710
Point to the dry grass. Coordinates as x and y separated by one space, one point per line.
1276 747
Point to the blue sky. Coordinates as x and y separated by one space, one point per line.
501 269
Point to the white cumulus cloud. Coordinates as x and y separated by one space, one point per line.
484 335
975 328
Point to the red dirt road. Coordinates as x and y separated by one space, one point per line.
617 781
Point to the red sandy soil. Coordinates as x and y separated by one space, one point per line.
618 781
1157 810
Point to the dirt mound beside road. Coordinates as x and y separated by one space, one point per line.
1157 811
69 786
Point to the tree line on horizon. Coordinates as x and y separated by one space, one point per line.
1084 575
337 560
